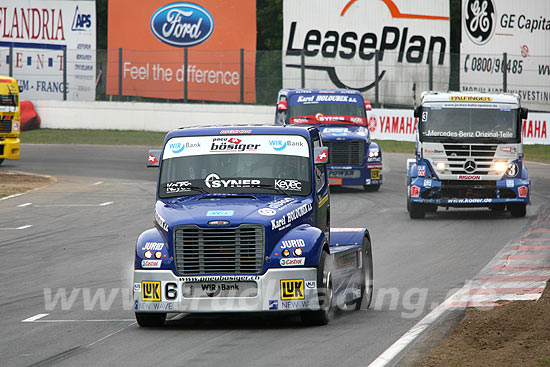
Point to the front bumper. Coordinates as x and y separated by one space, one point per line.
277 290
369 174
9 148
435 192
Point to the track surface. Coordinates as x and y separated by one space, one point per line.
80 246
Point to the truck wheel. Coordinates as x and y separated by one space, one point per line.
371 188
518 210
431 208
416 211
367 274
150 319
325 292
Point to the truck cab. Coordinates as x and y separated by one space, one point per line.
341 116
10 119
469 153
242 224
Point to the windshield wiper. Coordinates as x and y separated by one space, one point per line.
279 190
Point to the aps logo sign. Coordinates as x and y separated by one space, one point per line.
480 20
81 22
182 24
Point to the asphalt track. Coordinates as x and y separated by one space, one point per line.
78 236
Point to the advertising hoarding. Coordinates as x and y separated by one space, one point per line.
153 38
39 31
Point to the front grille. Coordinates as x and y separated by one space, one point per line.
458 154
5 126
8 100
346 153
237 250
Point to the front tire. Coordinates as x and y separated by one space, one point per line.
416 211
150 319
518 210
325 292
367 274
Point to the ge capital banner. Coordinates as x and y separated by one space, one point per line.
490 28
340 37
38 31
153 38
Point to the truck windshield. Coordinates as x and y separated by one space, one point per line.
326 108
469 124
252 164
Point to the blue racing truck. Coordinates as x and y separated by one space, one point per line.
341 116
242 224
469 153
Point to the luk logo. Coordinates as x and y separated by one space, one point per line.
277 145
150 291
182 24
81 22
480 20
292 289
176 147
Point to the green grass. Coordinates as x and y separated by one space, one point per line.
538 153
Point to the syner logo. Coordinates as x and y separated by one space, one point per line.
182 24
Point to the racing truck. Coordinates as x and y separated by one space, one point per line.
242 224
469 153
341 115
10 119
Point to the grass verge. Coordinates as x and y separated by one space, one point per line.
538 153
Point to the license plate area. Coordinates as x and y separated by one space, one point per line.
344 173
220 289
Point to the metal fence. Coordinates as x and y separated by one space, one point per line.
255 77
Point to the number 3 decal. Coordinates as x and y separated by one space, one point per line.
424 116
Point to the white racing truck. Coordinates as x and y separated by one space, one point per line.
469 153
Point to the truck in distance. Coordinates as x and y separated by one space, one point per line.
10 119
242 224
469 153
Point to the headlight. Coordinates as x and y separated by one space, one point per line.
500 167
373 153
440 166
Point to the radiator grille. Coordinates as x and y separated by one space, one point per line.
458 154
346 153
5 126
237 250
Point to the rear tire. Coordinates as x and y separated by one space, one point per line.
150 319
325 292
367 274
518 210
416 211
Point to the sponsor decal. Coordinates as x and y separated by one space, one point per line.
335 130
298 120
182 24
151 264
348 261
421 170
339 230
323 201
322 157
322 118
375 174
293 243
280 145
335 181
522 191
178 186
214 181
371 166
219 213
235 131
150 291
152 159
296 261
291 216
273 304
469 201
160 221
470 98
292 289
81 22
137 287
311 284
231 145
415 191
288 185
176 147
509 183
508 149
267 211
295 305
367 181
157 306
480 20
372 124
154 246
469 177
428 183
281 203
220 278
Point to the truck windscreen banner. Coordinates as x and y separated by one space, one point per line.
147 43
490 28
340 37
38 32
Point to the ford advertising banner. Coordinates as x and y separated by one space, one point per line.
340 37
38 31
490 28
153 38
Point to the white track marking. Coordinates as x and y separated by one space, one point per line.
111 334
11 196
23 205
97 183
107 203
16 228
72 205
76 320
35 317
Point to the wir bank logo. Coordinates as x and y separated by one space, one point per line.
349 45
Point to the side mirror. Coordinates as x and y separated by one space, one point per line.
321 155
418 111
282 106
153 159
368 107
523 112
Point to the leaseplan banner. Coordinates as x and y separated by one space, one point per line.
340 38
490 28
154 35
401 125
39 31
